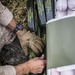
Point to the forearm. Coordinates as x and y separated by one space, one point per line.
17 70
12 25
6 17
22 69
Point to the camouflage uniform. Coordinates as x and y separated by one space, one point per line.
6 37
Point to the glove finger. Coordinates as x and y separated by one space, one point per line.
37 37
39 42
38 46
25 50
33 47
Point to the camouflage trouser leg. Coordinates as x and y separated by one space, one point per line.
11 50
13 53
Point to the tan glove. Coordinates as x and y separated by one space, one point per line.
28 39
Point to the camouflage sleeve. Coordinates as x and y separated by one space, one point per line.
7 70
5 15
6 36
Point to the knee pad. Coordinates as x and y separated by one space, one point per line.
61 5
71 4
60 14
70 12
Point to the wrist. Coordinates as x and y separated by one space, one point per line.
18 32
16 27
22 69
12 24
26 68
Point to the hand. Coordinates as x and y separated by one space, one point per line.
28 39
35 66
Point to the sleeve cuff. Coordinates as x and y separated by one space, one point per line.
5 15
8 70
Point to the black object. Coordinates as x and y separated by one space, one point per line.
37 23
18 27
48 4
13 54
41 12
31 22
53 7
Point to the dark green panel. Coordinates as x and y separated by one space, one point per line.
41 12
48 9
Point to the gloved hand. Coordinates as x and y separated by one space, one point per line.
28 39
